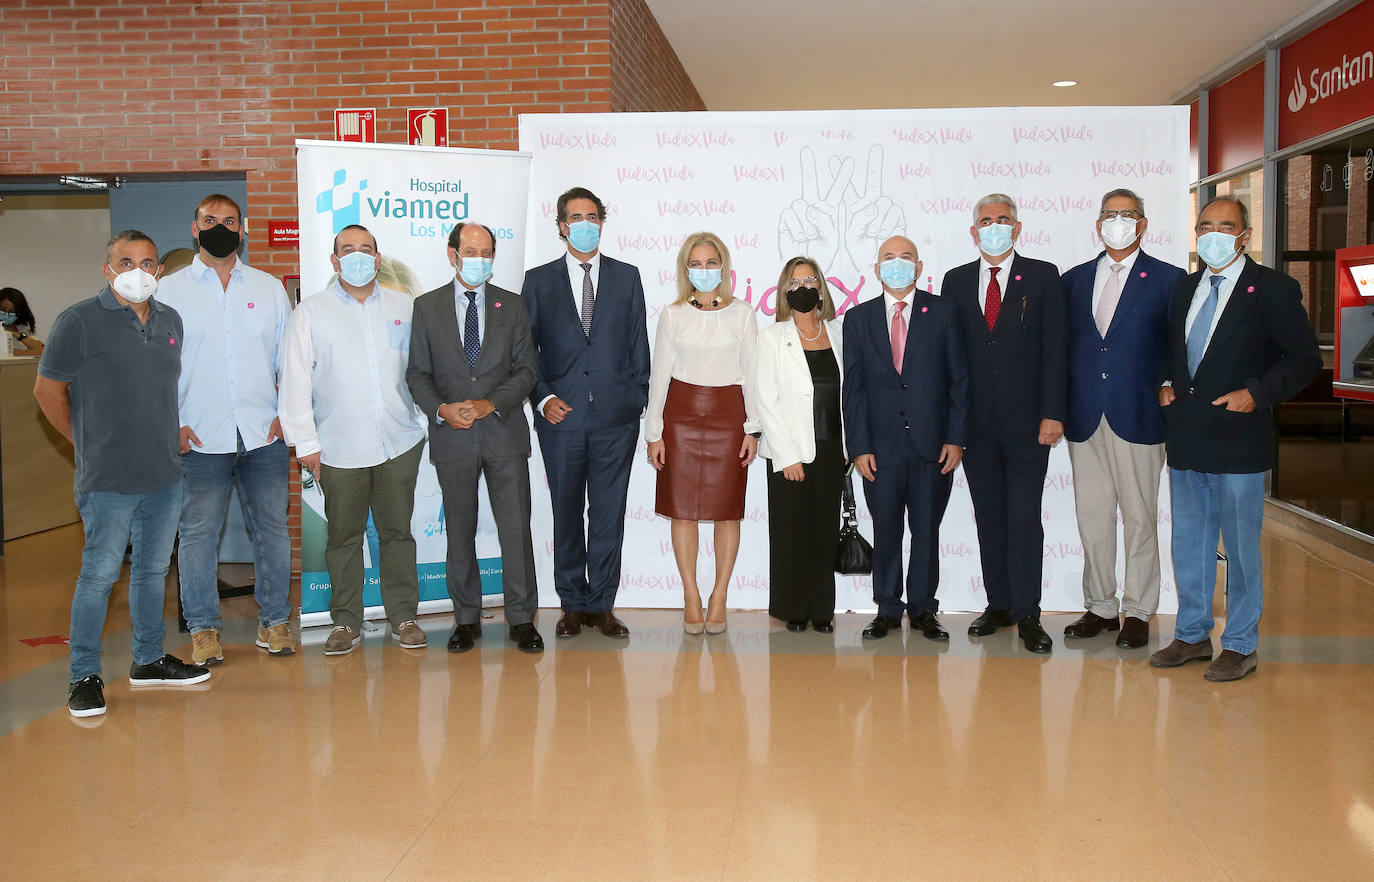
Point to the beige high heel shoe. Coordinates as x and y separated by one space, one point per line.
695 628
714 627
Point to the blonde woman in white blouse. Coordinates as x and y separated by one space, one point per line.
701 424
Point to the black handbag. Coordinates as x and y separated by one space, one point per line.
854 557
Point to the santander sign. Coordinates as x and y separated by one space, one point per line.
1327 77
1325 83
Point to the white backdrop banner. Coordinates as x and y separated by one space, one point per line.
410 198
833 185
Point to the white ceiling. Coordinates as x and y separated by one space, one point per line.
812 55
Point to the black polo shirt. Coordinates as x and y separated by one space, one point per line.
123 375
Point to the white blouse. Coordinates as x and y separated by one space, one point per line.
704 348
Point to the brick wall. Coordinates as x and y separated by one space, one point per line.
155 86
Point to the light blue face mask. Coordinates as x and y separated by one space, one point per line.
994 239
475 270
897 273
706 281
8 318
357 268
584 236
1216 249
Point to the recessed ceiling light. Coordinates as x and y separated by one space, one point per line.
1064 84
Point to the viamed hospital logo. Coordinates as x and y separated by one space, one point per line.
327 202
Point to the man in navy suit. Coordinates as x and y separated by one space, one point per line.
1118 316
587 314
1239 343
1012 312
905 402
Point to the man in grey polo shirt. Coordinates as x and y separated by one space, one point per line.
108 382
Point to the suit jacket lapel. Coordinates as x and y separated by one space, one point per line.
1236 307
1130 293
493 320
568 297
1011 293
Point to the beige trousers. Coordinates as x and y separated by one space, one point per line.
1111 474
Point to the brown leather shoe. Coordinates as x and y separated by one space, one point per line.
1231 666
571 624
608 624
1135 633
1090 624
1180 653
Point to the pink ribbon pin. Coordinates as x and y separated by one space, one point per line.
398 323
1018 278
1250 290
925 309
250 304
1143 274
496 305
171 341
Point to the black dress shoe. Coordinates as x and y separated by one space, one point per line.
881 624
608 624
988 623
1033 635
930 626
797 626
1135 633
571 624
464 638
1090 624
527 638
824 626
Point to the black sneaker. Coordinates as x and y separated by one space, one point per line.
87 697
167 671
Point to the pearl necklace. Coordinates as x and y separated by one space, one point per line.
820 329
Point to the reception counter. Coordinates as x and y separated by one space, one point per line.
36 467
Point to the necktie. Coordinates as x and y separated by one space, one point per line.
898 335
1111 294
994 302
588 299
1197 337
472 340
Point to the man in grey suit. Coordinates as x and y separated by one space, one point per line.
472 365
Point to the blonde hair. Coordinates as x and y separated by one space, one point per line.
784 311
684 284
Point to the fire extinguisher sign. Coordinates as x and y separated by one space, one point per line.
427 126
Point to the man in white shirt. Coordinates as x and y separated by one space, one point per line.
227 397
346 409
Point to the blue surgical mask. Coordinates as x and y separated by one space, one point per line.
8 318
357 268
475 270
584 236
1216 249
706 281
897 273
994 239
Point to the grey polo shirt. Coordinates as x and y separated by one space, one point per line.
123 375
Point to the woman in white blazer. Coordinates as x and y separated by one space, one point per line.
797 389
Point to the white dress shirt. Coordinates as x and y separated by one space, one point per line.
705 348
1204 287
985 276
231 352
890 303
575 275
343 382
1104 272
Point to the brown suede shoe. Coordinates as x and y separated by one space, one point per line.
1090 624
1231 666
1180 653
1135 633
571 624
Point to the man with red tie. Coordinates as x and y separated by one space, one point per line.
1011 309
905 401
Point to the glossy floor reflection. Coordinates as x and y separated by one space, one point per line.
758 754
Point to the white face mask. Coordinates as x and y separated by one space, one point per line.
135 286
1118 233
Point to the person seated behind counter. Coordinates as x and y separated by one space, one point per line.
18 320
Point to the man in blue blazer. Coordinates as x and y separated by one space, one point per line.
1011 309
905 402
587 314
1118 317
1239 344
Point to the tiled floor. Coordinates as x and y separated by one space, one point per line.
758 754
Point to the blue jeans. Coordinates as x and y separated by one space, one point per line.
261 476
1205 505
112 521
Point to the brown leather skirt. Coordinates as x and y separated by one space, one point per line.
703 429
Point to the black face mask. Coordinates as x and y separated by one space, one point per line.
219 240
803 299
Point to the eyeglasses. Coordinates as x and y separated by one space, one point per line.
1129 214
803 282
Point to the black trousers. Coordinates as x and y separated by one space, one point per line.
909 492
1006 479
803 533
